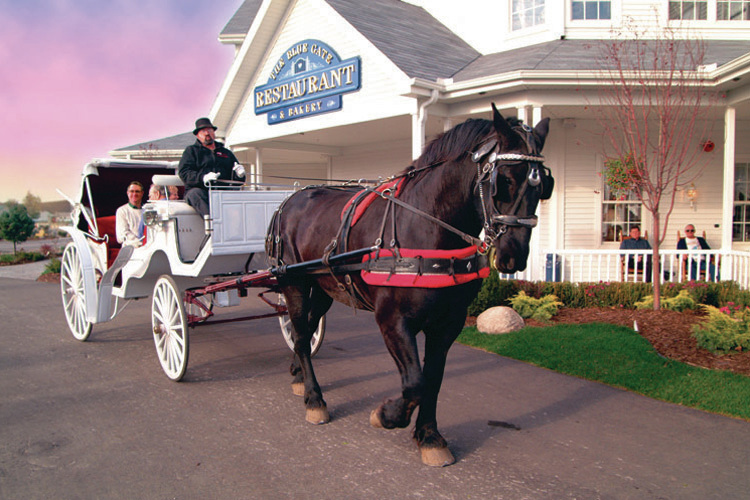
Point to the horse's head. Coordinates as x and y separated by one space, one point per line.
510 183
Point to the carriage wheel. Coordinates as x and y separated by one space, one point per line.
286 330
195 313
169 323
73 296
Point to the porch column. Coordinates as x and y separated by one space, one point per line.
533 266
728 195
727 211
258 165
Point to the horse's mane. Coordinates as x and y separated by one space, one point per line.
456 142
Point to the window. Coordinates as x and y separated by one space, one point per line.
741 218
688 10
733 10
591 10
526 13
619 214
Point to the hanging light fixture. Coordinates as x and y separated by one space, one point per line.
692 194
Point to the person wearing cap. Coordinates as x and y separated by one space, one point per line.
206 161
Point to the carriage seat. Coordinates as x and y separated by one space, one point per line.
107 226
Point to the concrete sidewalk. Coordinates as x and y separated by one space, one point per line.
24 271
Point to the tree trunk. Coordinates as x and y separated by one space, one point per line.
655 269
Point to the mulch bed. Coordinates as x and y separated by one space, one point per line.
668 331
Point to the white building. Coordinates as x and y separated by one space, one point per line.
349 89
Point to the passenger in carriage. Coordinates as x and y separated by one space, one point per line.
205 161
128 218
156 193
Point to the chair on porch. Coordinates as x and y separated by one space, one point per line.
635 269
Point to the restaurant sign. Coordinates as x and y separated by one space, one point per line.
307 80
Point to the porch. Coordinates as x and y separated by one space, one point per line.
676 266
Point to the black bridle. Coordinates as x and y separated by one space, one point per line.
539 178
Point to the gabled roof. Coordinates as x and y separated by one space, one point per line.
420 45
240 22
577 55
172 143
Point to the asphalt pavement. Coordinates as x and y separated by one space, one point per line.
98 419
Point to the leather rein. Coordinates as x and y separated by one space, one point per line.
495 224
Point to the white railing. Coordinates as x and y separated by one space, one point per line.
578 265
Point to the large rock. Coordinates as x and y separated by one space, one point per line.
499 319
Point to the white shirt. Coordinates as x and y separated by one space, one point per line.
128 221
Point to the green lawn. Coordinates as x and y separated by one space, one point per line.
619 357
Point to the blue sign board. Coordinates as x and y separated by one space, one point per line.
307 80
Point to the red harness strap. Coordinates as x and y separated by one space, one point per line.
424 268
359 210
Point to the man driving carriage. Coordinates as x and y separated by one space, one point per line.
206 161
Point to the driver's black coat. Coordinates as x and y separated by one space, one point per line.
197 160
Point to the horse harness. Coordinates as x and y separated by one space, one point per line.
434 268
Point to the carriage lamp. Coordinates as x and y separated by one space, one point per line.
150 216
692 194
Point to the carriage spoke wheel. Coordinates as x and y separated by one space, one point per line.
169 323
286 330
73 296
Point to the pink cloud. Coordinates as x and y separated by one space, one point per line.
80 80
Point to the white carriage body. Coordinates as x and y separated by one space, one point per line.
178 241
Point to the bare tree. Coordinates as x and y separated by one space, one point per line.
654 108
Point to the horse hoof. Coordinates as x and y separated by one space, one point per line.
298 388
317 416
375 420
437 457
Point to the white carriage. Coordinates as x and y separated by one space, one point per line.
186 264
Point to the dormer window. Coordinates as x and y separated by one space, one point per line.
590 10
526 14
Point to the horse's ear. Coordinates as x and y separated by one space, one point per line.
541 130
502 128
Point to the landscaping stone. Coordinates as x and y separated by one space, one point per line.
500 319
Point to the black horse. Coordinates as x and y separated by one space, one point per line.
480 175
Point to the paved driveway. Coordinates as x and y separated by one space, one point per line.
100 420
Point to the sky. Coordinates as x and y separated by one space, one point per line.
79 78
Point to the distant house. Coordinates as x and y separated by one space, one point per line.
342 89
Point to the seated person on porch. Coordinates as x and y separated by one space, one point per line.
635 262
693 242
128 226
205 161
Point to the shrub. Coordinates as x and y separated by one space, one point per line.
497 292
540 309
724 329
53 266
679 302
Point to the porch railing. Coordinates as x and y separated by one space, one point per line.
578 265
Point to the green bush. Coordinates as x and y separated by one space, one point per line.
540 309
21 257
724 329
497 292
679 302
53 266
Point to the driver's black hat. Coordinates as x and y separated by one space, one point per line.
202 123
